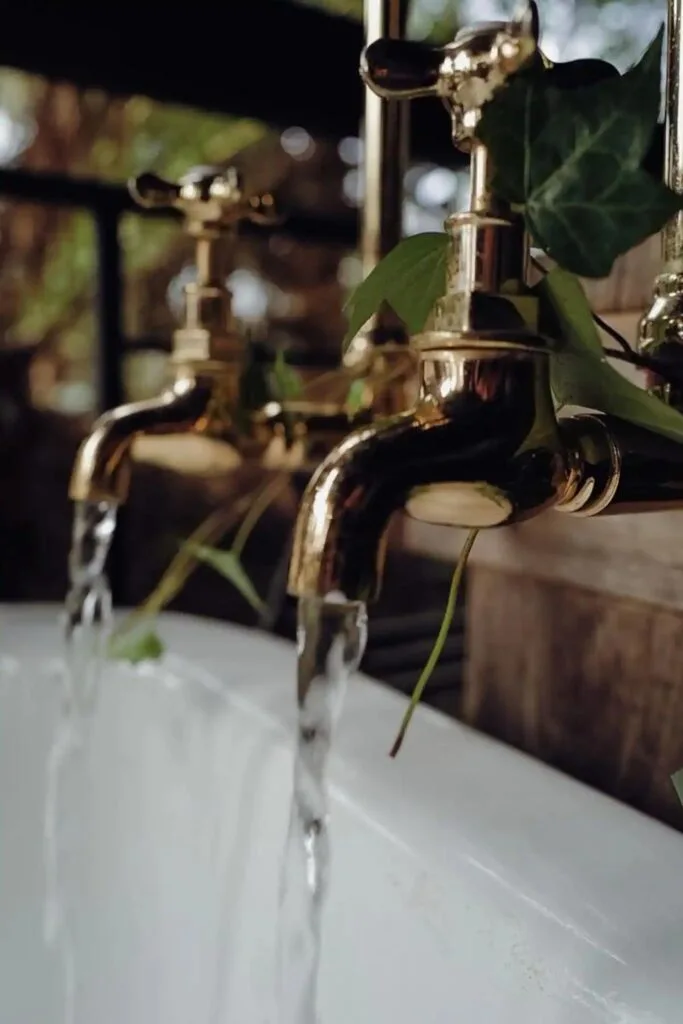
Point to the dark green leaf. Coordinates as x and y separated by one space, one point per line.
410 279
677 779
228 565
584 221
580 374
136 647
285 381
512 122
575 164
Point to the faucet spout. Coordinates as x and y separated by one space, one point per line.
480 448
207 348
102 468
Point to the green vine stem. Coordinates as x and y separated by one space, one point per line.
439 643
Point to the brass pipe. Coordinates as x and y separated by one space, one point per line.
385 157
378 354
380 348
620 468
661 328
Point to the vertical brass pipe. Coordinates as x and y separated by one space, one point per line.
672 236
386 145
379 353
661 329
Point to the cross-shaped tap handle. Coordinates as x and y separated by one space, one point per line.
211 199
464 74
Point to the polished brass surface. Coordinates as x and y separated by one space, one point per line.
102 468
480 446
625 468
207 350
661 329
385 161
482 434
465 73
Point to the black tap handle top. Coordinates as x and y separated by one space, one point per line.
209 197
400 69
464 74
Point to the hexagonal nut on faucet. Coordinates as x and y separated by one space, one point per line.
211 199
464 74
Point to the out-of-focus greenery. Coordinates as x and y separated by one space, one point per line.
51 273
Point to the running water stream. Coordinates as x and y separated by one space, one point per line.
87 624
331 640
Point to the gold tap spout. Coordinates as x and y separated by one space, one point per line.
207 349
102 468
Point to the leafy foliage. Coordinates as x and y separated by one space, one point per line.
575 168
136 647
409 279
580 373
229 565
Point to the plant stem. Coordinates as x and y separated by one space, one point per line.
667 372
209 531
614 334
440 641
265 497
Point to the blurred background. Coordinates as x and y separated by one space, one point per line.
90 289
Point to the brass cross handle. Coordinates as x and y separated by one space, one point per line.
211 199
464 74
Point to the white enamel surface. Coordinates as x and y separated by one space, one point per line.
469 883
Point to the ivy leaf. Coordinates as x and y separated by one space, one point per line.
585 223
513 120
228 565
575 165
677 779
410 279
579 372
136 647
285 382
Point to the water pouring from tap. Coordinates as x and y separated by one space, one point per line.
331 641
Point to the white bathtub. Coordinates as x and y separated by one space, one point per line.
470 884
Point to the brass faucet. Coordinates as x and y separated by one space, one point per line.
207 350
481 446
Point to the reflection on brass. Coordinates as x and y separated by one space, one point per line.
483 431
480 445
661 329
207 350
102 468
